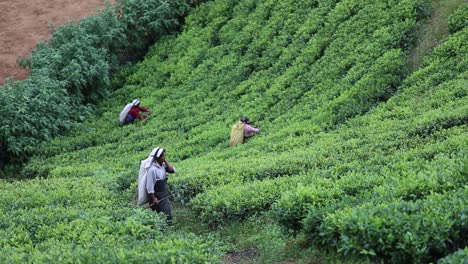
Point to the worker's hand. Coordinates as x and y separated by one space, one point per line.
155 201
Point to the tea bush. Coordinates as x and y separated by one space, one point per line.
400 230
350 140
456 257
75 66
458 20
45 220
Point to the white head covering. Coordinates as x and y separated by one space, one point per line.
135 102
156 152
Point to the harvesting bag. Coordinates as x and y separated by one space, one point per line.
124 113
237 134
143 196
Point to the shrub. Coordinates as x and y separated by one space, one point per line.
74 68
400 231
458 20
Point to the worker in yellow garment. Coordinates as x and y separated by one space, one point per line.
241 131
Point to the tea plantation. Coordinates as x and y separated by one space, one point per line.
359 159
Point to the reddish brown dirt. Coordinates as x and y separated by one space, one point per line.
24 23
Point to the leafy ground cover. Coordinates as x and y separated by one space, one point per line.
357 156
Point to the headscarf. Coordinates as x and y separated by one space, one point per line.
156 152
135 102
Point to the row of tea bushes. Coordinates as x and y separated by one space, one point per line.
87 220
74 68
400 231
342 126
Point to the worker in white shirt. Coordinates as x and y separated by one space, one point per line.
156 184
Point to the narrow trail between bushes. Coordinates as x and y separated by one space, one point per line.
433 31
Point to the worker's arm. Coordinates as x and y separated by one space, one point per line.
154 200
169 167
141 117
144 109
136 112
251 129
150 181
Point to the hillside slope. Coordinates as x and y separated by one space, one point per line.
357 154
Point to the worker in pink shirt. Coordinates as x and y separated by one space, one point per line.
241 131
248 130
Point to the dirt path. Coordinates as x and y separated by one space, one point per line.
24 23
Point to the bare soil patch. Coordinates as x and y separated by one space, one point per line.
24 23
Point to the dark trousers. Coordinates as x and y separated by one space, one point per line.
129 119
163 206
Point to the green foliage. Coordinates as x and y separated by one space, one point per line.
35 110
144 22
459 256
458 20
400 231
74 68
81 219
351 146
120 77
82 54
